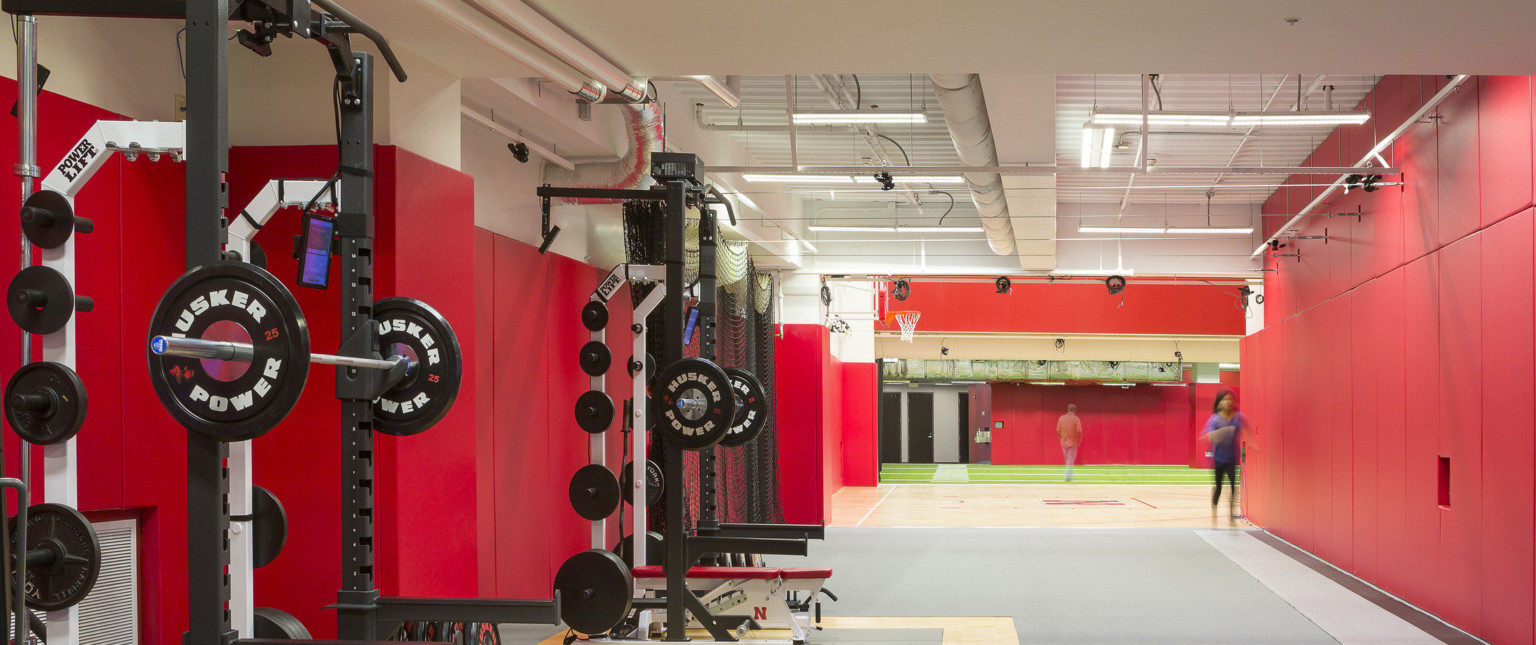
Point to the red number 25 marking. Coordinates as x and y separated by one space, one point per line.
271 333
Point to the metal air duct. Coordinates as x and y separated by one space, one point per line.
631 171
965 112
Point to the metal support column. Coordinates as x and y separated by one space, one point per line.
357 600
708 240
26 168
676 563
207 485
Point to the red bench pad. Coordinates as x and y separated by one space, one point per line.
804 574
713 573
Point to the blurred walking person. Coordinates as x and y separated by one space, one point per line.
1225 430
1069 429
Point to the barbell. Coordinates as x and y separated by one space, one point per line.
244 353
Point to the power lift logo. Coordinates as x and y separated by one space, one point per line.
78 159
270 372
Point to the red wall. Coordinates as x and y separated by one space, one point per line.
1078 306
1138 425
1407 338
861 424
808 457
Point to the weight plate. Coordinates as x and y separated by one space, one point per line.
595 590
594 411
695 403
594 316
36 284
277 624
230 400
594 492
52 223
413 329
269 527
655 548
59 392
595 358
484 634
655 484
74 556
258 256
751 408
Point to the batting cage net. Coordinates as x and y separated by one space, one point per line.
746 477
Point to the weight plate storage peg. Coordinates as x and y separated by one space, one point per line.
277 624
594 492
751 408
695 403
655 484
596 591
41 300
48 219
413 329
595 358
63 556
594 411
594 316
269 527
230 400
45 403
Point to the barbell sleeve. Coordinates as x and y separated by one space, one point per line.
228 351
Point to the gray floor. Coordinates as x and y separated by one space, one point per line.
1059 585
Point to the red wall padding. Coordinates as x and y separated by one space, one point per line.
1138 425
861 424
1079 306
802 367
1425 351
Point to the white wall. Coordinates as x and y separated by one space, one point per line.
127 66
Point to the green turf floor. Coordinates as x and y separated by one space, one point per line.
999 474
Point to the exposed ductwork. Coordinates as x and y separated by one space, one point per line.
965 112
551 38
631 171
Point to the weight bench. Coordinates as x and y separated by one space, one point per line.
757 594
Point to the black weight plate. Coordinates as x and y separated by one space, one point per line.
230 400
76 556
594 492
751 410
64 393
594 411
52 229
694 403
595 358
484 634
258 256
594 316
595 590
277 624
54 313
655 548
410 328
269 527
655 484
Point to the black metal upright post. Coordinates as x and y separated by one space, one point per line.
357 600
208 618
674 219
708 231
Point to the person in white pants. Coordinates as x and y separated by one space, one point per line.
1069 429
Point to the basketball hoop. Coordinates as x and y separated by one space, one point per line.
908 322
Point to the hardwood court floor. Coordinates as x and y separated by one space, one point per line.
1029 505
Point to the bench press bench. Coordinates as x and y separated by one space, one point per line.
760 594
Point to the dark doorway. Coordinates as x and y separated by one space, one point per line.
965 427
920 427
890 427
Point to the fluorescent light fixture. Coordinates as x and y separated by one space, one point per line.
719 89
1109 142
1118 384
800 179
1046 383
1227 366
1229 119
1169 384
888 359
1245 230
938 229
853 229
747 201
809 247
1158 230
838 118
1087 146
1094 273
969 382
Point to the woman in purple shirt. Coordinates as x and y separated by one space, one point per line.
1224 430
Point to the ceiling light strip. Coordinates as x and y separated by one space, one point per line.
1229 119
1042 169
841 118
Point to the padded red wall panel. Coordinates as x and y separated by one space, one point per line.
1291 523
1460 411
1338 425
801 351
1421 387
1508 351
1387 348
1504 146
1457 164
1137 425
1366 304
1417 152
1080 306
485 410
831 427
1178 415
861 429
